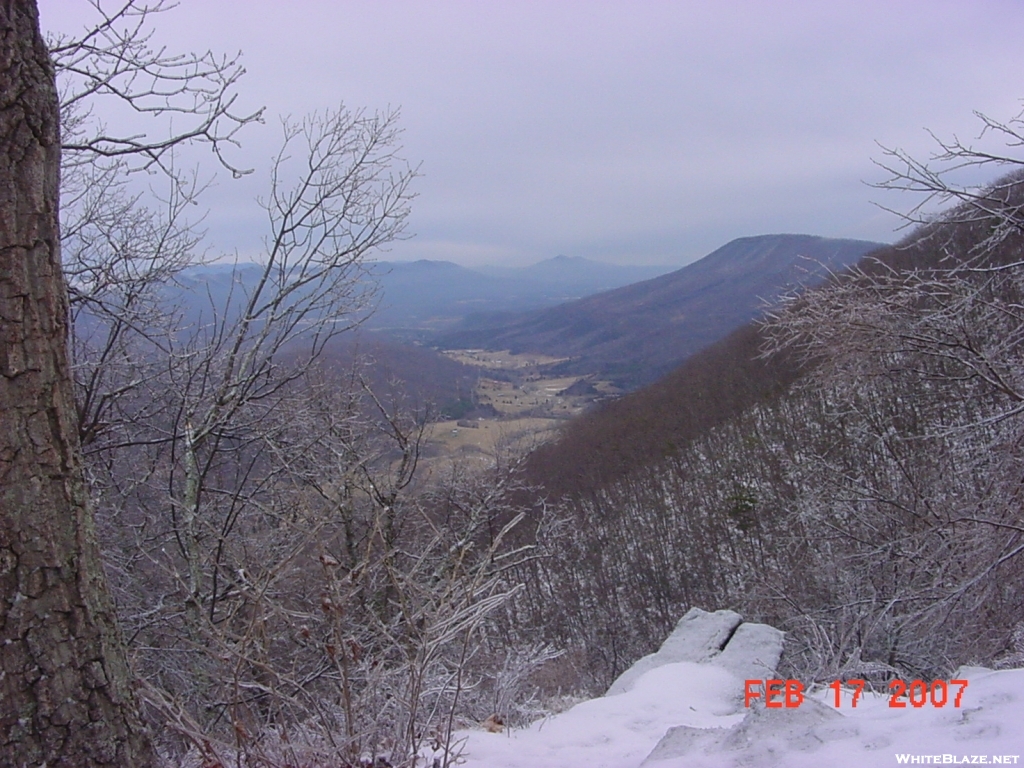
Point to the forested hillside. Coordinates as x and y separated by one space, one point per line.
848 470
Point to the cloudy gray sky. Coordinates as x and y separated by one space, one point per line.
643 132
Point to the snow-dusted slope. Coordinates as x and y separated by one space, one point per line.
683 707
988 725
615 731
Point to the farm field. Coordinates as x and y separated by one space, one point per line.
529 404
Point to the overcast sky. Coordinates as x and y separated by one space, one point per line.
643 132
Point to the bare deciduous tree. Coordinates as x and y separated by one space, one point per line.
288 588
185 97
123 243
64 682
938 181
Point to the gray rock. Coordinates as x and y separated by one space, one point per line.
753 652
698 637
747 651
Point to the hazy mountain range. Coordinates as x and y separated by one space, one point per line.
626 324
416 298
435 295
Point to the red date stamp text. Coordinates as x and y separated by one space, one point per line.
789 694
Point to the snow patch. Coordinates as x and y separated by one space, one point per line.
682 707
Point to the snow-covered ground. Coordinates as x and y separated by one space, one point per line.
684 708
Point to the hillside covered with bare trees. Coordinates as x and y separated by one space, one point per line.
848 469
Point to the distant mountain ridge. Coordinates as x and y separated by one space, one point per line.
435 295
638 332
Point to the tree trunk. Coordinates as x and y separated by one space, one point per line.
65 690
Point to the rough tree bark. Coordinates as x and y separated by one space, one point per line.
65 691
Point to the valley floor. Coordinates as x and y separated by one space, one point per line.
529 405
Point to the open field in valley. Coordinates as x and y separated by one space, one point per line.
530 404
